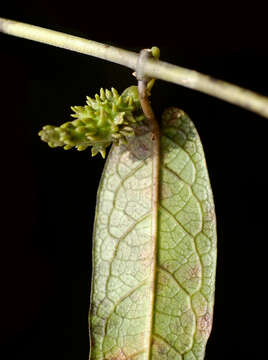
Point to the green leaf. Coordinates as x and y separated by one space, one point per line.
148 304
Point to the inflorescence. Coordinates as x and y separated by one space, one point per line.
109 118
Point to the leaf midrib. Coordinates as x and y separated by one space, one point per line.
155 204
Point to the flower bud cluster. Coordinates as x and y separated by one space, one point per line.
109 118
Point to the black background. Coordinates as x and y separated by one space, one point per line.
48 195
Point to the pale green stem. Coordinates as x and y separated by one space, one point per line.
152 68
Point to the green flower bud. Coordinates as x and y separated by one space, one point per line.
107 118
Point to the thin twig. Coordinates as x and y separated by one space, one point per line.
152 68
145 54
149 114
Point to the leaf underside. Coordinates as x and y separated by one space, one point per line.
146 305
